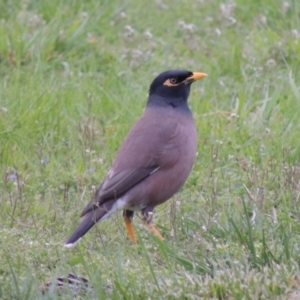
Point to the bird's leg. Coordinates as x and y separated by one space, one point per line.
128 216
147 218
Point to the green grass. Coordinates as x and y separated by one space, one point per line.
74 79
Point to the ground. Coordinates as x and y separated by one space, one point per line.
74 79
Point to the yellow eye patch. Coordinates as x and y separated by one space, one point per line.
168 83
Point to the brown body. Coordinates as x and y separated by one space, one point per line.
174 157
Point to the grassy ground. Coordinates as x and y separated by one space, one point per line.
74 78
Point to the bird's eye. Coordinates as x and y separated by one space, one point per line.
173 80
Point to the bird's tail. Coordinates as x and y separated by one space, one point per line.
89 221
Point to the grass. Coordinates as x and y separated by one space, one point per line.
74 79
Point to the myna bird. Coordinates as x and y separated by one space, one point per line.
154 161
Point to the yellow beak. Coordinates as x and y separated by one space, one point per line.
197 76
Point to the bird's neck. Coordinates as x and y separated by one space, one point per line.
178 104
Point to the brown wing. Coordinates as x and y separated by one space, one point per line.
115 186
139 157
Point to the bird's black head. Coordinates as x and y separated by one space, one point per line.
172 88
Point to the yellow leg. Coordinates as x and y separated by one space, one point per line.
128 218
154 230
